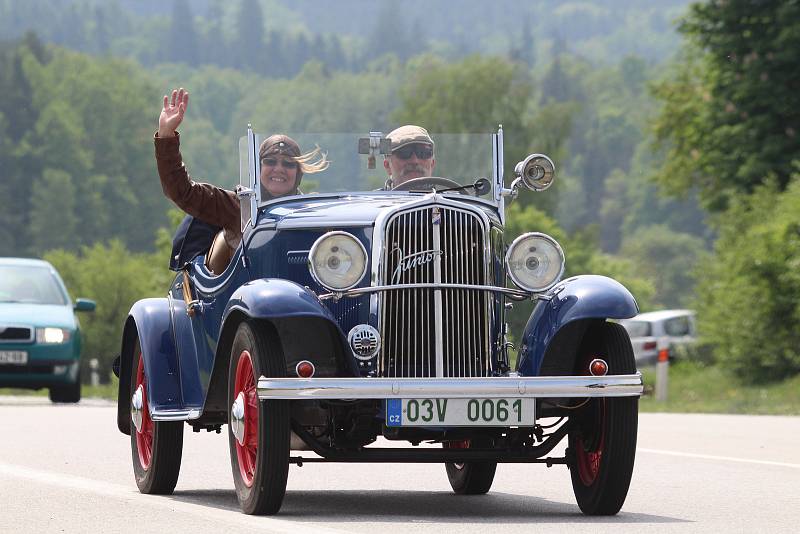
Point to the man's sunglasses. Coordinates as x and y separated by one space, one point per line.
422 151
285 163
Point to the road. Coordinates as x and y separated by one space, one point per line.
68 469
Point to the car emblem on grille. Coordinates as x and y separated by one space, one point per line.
406 263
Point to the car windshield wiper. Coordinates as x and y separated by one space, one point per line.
481 187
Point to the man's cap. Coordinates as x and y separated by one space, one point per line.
407 135
279 144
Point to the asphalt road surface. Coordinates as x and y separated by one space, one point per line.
68 469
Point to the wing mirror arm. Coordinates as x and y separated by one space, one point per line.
512 192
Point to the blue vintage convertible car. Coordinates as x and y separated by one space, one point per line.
355 317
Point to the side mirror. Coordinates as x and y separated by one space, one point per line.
86 305
373 145
537 172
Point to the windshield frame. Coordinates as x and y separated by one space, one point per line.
250 186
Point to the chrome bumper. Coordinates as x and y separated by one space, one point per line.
450 388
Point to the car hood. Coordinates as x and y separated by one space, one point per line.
324 210
36 315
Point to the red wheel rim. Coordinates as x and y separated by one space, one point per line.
589 461
247 452
144 437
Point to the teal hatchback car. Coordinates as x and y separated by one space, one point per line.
40 342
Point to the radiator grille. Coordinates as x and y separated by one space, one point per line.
10 334
408 316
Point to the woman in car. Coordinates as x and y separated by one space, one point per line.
282 168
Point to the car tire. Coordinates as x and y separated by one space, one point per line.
602 440
157 446
66 393
260 461
469 478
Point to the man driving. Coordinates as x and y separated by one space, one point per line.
411 156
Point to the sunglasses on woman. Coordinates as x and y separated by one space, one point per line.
422 151
285 163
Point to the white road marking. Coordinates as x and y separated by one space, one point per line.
721 458
264 524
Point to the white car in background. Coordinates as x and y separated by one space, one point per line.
675 327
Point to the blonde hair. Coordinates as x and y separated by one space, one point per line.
307 163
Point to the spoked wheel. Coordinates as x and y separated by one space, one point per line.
603 435
258 430
469 478
156 446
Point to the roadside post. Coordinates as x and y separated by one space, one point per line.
662 369
94 365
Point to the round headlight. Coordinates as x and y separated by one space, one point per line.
338 261
535 262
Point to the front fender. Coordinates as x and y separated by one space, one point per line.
274 298
300 320
291 308
577 298
149 321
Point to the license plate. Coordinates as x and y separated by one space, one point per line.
460 412
13 357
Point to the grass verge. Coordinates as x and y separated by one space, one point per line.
700 388
103 391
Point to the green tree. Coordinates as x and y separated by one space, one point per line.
18 167
667 258
249 35
749 297
474 96
53 220
181 40
317 100
392 33
731 107
95 122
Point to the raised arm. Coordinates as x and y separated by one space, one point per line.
206 202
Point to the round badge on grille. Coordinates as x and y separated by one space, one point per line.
365 341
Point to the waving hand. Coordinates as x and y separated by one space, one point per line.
172 113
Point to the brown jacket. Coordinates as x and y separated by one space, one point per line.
207 202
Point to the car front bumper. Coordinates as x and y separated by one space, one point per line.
451 388
39 374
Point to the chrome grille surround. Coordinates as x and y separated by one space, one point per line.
433 332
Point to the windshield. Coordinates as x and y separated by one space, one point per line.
458 158
31 285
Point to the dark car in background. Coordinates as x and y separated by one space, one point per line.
40 337
355 316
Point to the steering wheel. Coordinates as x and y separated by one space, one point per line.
427 182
